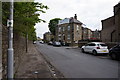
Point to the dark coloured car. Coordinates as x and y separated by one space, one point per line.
56 44
50 43
114 52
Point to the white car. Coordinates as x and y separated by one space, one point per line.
41 42
95 48
34 42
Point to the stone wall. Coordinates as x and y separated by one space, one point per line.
4 49
108 28
0 51
19 50
0 40
111 27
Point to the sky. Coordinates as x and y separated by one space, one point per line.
89 12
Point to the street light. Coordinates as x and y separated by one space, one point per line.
10 57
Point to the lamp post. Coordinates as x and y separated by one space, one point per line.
10 57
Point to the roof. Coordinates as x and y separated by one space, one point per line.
64 21
47 33
69 20
75 20
108 18
117 4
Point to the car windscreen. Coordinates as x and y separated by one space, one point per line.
117 46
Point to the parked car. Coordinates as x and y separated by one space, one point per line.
41 42
50 43
63 43
34 42
56 43
114 52
95 48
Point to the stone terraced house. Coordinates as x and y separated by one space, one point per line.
111 26
69 30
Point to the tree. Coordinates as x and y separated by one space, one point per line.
26 15
52 24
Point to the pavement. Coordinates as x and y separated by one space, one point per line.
33 65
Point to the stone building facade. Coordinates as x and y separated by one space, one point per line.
48 37
96 34
111 27
86 33
69 30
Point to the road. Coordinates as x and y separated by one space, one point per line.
72 63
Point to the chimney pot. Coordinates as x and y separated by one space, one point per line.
75 16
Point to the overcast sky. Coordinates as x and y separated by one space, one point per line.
89 12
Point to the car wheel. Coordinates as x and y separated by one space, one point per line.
113 56
94 52
82 50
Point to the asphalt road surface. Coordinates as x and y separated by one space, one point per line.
72 63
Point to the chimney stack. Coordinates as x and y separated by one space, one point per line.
75 16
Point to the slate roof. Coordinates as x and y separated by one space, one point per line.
75 21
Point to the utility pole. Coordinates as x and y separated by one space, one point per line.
26 41
10 56
27 36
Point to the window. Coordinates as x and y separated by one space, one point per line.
68 37
59 35
59 38
68 28
91 44
59 29
76 41
63 36
103 44
63 28
117 46
77 27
